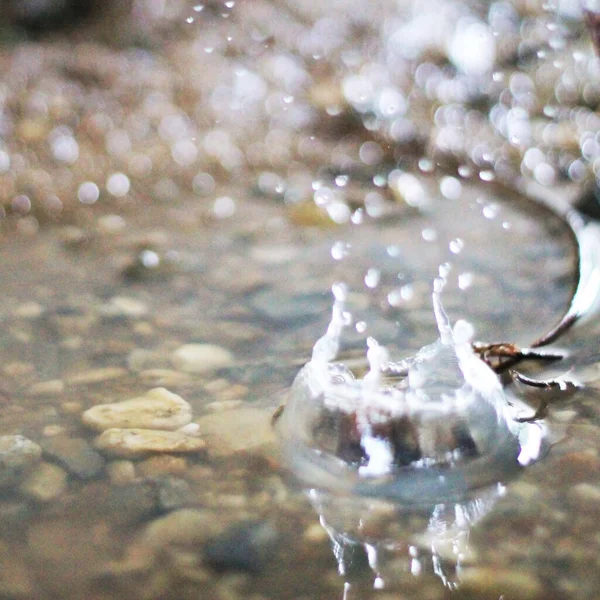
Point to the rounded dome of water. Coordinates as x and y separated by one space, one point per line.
436 426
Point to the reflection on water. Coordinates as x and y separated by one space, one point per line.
397 542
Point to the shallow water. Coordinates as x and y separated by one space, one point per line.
216 241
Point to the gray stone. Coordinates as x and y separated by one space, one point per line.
246 546
75 455
45 483
17 456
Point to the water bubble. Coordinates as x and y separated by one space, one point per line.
21 204
342 180
370 153
451 188
456 246
224 207
4 161
88 192
203 184
340 250
118 184
490 211
372 278
189 20
429 234
64 148
198 7
360 326
465 280
149 259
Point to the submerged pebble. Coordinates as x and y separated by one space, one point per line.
201 358
247 546
45 483
156 409
233 431
135 443
75 455
17 456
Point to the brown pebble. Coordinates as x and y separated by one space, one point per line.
163 465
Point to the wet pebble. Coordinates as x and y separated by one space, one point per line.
201 358
120 472
173 493
52 387
136 443
163 464
156 409
247 546
45 483
75 455
185 526
233 431
96 376
17 456
486 582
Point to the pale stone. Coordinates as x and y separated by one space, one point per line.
487 581
125 306
96 376
237 430
157 409
45 483
120 472
52 387
133 443
201 358
587 491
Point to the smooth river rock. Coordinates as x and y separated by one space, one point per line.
201 358
17 456
133 443
157 409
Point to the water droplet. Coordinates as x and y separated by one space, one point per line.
224 207
361 326
490 211
372 278
88 192
429 234
189 20
456 246
118 185
451 188
465 280
342 180
340 250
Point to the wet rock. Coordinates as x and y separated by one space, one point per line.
75 455
173 493
17 456
96 376
486 582
135 443
45 483
52 387
133 503
121 472
246 546
201 358
232 431
185 526
163 464
157 409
